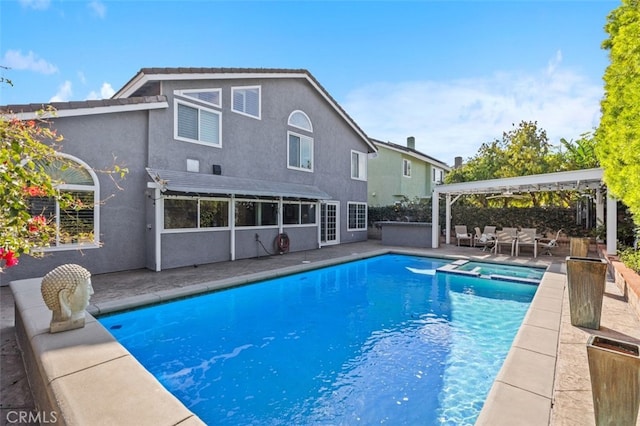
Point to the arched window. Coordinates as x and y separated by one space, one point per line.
300 120
76 224
300 146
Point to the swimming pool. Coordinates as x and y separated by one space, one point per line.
378 340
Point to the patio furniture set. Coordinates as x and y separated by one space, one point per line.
493 240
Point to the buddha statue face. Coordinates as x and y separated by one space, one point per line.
76 300
66 291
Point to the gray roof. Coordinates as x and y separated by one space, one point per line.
100 103
413 152
201 183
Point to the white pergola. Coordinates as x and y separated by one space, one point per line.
562 181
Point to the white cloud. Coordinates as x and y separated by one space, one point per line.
106 91
36 4
14 59
98 8
453 118
64 93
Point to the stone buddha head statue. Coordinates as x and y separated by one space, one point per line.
66 290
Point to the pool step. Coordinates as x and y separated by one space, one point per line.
514 279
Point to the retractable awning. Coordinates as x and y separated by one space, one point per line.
200 183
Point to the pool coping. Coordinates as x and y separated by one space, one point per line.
63 368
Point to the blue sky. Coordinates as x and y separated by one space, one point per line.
453 74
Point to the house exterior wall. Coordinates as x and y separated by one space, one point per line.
257 149
251 148
102 141
386 178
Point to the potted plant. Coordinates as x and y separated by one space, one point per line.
614 367
586 279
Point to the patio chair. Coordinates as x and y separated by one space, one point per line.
527 238
490 231
463 235
547 247
483 239
505 238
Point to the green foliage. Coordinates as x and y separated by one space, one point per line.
618 135
631 258
580 154
524 150
21 178
416 210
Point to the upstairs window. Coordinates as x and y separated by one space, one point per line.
300 152
246 100
406 168
300 120
208 96
197 124
358 165
438 175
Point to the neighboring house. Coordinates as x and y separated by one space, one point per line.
399 172
221 162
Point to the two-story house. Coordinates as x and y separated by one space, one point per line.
222 162
397 173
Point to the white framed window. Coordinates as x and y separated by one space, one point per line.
438 175
299 152
189 213
298 213
211 97
197 124
300 120
406 168
246 101
357 216
256 213
358 165
77 226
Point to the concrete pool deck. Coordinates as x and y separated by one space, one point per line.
537 389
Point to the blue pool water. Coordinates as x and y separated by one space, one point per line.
381 340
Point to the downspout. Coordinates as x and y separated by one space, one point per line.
159 210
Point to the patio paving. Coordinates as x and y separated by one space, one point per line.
572 389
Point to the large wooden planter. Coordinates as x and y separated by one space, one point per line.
579 247
586 279
614 367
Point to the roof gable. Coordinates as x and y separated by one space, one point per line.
147 79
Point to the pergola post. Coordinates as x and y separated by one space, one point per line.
599 208
612 225
448 218
435 220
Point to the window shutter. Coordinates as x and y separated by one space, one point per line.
209 127
187 122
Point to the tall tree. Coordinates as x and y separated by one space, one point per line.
581 153
618 135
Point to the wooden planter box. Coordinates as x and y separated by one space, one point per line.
614 367
586 279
